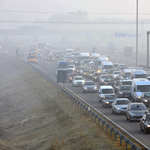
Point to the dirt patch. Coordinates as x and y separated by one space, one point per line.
34 117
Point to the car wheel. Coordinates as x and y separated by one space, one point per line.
127 117
130 119
145 131
102 105
112 111
115 112
140 128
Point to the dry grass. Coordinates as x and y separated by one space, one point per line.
33 116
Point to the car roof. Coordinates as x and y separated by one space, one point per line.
119 99
106 87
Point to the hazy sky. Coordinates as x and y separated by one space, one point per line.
90 6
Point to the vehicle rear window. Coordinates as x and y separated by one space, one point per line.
89 83
121 102
125 88
105 91
138 107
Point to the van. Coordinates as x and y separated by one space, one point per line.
106 65
139 86
137 74
103 90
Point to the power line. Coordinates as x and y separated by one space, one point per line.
74 13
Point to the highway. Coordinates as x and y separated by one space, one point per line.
92 98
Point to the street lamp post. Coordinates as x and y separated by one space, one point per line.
137 55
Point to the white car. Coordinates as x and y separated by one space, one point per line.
72 67
116 75
78 81
120 105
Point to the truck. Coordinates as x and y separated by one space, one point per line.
128 51
98 60
82 57
106 65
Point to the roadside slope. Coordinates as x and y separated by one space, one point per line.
33 116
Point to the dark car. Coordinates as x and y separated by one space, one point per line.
89 86
90 73
145 98
109 81
135 111
110 72
102 78
96 76
71 76
108 99
124 91
145 122
50 58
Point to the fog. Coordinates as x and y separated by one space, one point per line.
93 22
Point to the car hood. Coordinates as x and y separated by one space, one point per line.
88 86
136 112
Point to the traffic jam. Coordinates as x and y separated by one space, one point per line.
123 89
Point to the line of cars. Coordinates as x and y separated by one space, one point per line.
116 88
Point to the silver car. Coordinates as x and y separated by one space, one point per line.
89 86
135 111
120 105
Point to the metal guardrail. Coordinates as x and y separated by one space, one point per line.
93 113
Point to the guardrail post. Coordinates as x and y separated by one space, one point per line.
103 122
92 116
111 129
95 117
121 140
127 144
107 127
99 119
116 133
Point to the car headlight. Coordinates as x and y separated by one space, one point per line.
107 102
102 80
106 83
139 97
148 126
145 100
83 81
95 87
75 81
120 93
118 108
132 114
95 77
85 88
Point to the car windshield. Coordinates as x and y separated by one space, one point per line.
79 78
116 72
140 76
122 102
97 74
109 96
71 66
147 95
127 83
89 83
105 91
108 80
125 88
144 88
108 67
138 107
69 71
127 74
148 118
104 76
